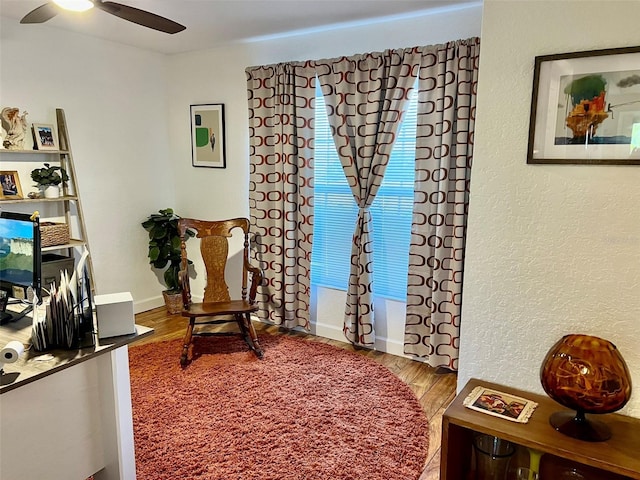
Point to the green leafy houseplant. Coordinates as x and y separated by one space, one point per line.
49 175
164 245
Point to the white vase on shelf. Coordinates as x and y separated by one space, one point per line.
51 191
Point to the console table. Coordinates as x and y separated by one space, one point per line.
616 459
66 414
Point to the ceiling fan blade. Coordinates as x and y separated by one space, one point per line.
41 14
141 17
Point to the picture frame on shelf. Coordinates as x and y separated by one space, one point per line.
44 137
585 108
208 135
11 189
500 404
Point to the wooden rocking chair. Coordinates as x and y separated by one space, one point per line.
217 306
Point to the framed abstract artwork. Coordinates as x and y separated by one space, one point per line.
585 108
208 136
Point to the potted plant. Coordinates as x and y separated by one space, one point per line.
164 252
49 178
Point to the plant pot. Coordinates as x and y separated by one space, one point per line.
51 191
173 301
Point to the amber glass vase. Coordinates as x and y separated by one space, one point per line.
586 374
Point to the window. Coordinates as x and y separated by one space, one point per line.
335 211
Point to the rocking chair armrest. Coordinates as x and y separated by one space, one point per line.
256 280
183 278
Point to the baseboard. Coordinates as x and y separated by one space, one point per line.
393 347
140 306
333 332
383 344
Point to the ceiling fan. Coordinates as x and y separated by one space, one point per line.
141 17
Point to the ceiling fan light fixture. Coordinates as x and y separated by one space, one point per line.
74 5
131 14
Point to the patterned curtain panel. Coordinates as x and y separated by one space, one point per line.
444 149
281 112
365 97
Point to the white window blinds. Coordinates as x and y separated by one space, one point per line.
335 211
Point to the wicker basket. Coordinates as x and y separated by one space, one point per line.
53 234
173 301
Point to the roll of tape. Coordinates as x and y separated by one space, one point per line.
11 352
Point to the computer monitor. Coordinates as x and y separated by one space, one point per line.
20 262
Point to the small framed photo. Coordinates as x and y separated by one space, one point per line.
585 108
44 137
207 136
10 185
499 404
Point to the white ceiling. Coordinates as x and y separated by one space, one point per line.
213 23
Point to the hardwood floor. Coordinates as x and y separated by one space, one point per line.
434 389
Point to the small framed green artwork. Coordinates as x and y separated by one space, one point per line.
207 135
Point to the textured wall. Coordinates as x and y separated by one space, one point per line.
551 249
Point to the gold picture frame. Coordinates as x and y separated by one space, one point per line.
10 182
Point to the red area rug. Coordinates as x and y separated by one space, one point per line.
307 411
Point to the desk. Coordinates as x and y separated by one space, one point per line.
66 414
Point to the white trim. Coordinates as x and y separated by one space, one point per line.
383 344
148 304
